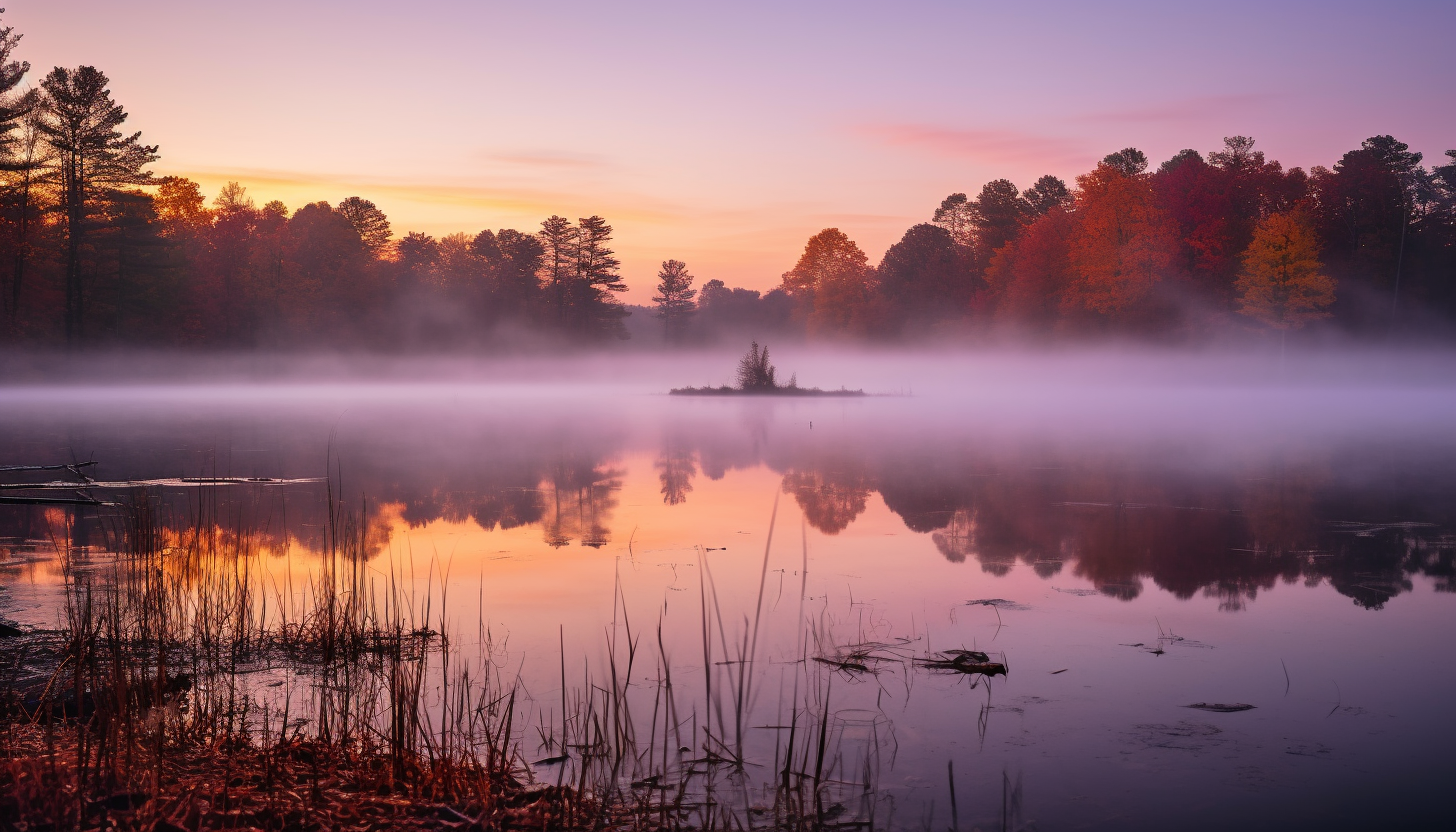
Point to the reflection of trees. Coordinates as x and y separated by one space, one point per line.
675 470
958 537
1371 565
1222 532
579 498
1225 537
831 498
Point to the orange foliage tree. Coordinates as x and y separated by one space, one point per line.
1283 284
833 285
1122 245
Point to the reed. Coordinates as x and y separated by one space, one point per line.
148 708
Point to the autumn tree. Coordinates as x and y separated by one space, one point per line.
368 220
1215 205
1121 246
1027 279
91 159
832 285
180 206
674 298
1282 284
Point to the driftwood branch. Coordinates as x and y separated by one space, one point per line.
71 467
50 501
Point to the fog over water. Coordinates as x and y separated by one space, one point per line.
1158 529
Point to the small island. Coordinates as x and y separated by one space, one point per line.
758 377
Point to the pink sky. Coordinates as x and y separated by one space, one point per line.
726 134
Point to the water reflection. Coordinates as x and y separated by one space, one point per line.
1119 522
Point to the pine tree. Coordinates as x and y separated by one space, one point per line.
598 313
18 158
674 298
368 220
11 110
558 265
92 159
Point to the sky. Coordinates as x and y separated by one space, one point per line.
726 134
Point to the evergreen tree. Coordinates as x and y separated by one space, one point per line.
598 313
924 276
957 216
24 163
368 220
513 259
558 265
18 160
674 298
92 158
12 110
1049 192
1000 214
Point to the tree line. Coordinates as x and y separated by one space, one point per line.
1200 243
95 250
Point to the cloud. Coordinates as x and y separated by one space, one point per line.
475 197
1182 111
1004 146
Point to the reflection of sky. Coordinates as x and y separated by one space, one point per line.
726 134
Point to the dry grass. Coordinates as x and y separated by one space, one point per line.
142 712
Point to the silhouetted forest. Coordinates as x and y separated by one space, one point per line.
98 251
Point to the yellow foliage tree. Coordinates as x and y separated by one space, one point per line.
180 205
1282 284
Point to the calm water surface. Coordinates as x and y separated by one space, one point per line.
1152 533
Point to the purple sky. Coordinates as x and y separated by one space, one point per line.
725 134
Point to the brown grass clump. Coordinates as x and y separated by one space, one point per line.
291 784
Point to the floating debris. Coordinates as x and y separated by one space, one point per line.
1083 593
1219 707
964 661
845 665
1000 603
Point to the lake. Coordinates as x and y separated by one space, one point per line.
1128 533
